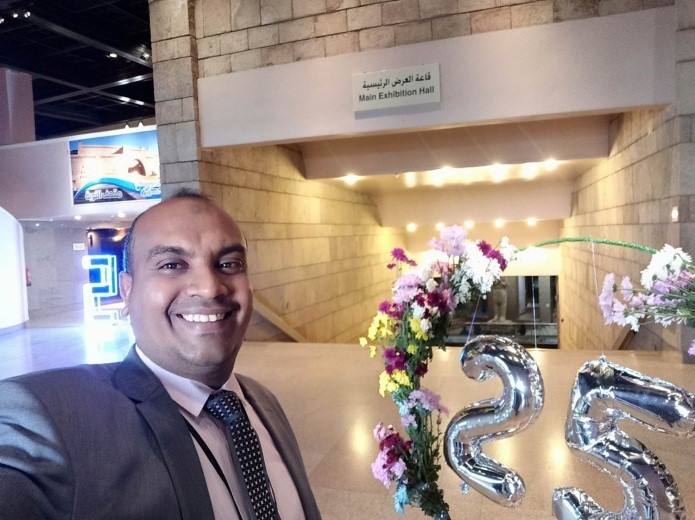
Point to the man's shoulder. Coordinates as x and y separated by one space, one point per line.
78 377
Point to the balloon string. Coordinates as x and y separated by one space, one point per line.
533 313
475 311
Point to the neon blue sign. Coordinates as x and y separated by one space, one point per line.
106 286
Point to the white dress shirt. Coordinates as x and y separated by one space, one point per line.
191 397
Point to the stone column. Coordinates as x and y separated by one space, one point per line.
685 112
175 72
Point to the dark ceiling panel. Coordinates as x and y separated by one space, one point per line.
64 44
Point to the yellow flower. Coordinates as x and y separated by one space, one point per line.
415 326
391 383
372 348
411 349
381 327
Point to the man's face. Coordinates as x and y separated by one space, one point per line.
189 296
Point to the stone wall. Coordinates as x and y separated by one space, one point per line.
628 197
236 35
56 270
317 253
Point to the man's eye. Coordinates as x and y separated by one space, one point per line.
232 265
171 265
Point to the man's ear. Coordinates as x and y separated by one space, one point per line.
125 282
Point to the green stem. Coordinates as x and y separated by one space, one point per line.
593 240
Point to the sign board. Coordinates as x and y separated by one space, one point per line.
115 168
396 87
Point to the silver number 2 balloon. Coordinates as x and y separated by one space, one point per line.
603 394
520 402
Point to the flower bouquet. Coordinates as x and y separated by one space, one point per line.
408 328
667 294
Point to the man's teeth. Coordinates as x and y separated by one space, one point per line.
202 318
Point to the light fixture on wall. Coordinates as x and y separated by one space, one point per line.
674 214
411 227
529 171
498 222
532 221
439 226
498 172
469 224
410 179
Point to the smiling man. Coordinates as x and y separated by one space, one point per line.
170 432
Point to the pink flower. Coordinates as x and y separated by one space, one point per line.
605 299
380 470
399 255
406 288
452 241
394 360
391 309
691 350
427 400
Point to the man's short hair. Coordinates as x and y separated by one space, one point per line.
183 193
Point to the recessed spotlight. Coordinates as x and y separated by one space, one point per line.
112 55
37 224
145 55
15 14
550 164
499 222
351 179
532 221
411 227
439 226
1 19
78 217
499 172
469 224
26 14
529 171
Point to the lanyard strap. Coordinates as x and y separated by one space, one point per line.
203 445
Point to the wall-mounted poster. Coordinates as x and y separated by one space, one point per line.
113 168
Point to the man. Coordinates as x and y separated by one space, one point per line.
140 439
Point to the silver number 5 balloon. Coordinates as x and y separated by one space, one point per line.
515 409
603 394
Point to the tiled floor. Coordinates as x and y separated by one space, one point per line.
330 395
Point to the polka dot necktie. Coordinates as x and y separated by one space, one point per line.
227 407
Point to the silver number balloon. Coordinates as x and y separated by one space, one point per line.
520 402
603 394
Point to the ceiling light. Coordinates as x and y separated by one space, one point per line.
351 179
27 14
498 222
411 227
15 14
529 171
145 55
499 172
1 19
439 226
121 214
532 221
550 164
78 217
468 224
37 224
112 55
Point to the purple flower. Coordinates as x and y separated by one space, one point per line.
393 360
391 309
691 350
426 400
407 420
492 253
399 255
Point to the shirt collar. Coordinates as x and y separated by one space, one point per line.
188 394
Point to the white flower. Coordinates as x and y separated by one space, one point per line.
668 260
431 285
418 311
425 325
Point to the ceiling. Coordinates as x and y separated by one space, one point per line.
65 46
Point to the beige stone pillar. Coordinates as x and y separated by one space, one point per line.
685 111
175 71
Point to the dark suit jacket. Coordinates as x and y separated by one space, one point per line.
107 441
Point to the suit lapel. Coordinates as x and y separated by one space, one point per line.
162 415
